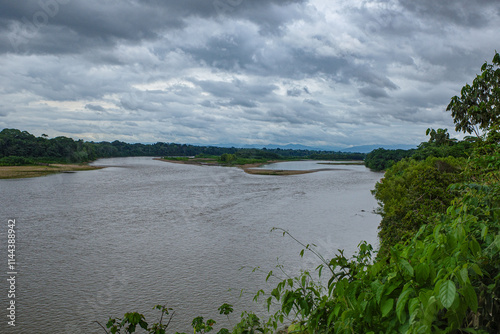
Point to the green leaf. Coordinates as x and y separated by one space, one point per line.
390 287
430 310
497 241
406 266
422 272
400 305
413 305
474 246
463 276
447 293
386 306
336 310
484 231
430 251
143 324
330 317
476 269
470 297
437 229
379 292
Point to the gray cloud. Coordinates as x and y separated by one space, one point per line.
71 26
375 92
294 92
313 102
94 107
240 71
477 13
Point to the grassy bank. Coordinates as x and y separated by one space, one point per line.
18 172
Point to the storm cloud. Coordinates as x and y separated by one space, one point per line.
312 72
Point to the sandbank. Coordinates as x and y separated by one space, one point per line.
18 172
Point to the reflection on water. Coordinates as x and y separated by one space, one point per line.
142 232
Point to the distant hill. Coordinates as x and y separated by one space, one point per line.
302 147
353 149
369 148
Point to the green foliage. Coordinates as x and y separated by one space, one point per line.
439 145
461 149
206 156
177 158
413 193
18 143
443 280
225 309
485 159
249 324
382 159
257 154
337 156
131 320
16 161
478 107
201 326
439 137
227 158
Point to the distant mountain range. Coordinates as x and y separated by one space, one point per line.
369 148
354 149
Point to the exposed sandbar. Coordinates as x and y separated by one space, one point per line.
248 168
260 171
18 172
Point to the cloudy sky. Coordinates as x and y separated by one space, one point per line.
312 72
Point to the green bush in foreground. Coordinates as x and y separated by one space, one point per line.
413 193
444 280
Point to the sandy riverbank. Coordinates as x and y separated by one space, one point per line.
248 168
18 172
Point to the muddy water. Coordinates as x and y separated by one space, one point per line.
143 232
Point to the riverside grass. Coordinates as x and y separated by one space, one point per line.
19 172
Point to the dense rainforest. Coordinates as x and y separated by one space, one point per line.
440 145
20 148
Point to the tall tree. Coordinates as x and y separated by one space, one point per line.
478 107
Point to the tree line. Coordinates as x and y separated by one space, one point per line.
21 147
439 145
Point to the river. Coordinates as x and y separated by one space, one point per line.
142 232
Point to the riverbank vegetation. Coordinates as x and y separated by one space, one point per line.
27 171
438 267
439 146
22 148
249 159
23 151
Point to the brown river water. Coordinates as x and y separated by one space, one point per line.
95 244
